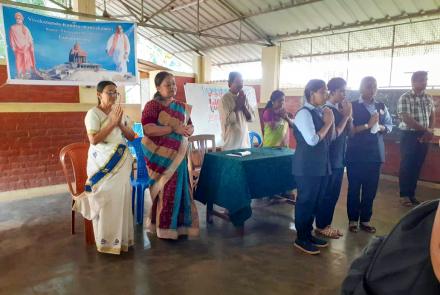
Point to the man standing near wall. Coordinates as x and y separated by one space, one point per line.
416 111
235 112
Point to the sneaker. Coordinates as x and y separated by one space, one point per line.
318 242
306 247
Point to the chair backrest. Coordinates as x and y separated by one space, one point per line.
138 129
141 169
139 132
77 153
254 135
199 145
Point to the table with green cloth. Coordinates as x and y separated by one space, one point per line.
231 182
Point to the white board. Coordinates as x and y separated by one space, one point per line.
205 99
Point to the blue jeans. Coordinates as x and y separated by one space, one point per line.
310 190
327 204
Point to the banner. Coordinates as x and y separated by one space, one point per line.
53 51
205 99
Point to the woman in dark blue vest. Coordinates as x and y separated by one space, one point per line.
365 155
312 128
342 112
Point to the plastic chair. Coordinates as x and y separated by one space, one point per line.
254 135
138 129
77 152
141 182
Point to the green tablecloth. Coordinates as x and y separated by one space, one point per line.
231 182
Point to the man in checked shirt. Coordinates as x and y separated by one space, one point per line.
416 111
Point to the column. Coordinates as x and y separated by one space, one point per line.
270 62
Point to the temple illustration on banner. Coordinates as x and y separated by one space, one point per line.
78 68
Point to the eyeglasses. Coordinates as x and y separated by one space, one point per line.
112 93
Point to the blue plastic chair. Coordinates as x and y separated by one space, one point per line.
137 128
254 135
141 182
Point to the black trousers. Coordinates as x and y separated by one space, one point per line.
310 190
363 180
412 156
327 204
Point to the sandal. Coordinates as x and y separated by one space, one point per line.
328 232
368 228
340 233
406 202
354 228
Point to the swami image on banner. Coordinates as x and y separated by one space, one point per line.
48 50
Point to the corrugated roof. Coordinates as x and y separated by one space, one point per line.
230 30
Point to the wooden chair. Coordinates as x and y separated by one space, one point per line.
77 152
198 147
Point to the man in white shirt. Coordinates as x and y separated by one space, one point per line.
235 112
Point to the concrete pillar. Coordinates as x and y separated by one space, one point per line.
86 94
84 6
202 68
270 62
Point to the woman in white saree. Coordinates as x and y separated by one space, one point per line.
107 197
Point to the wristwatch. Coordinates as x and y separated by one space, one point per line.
366 126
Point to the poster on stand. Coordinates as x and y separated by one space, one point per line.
205 99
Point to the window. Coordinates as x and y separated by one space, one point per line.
150 52
390 54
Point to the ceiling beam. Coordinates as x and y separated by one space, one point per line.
203 49
252 14
187 44
237 62
257 30
130 9
156 27
160 46
159 11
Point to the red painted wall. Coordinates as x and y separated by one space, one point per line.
180 82
30 146
29 93
257 92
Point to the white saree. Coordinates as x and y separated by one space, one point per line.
107 199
